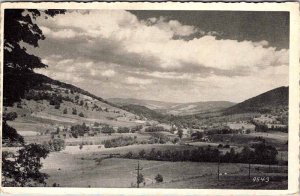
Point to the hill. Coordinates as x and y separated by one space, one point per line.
145 112
263 103
51 104
151 104
174 108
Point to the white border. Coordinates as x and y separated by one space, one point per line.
293 167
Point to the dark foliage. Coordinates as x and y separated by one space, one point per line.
20 26
10 116
10 137
79 130
108 129
159 178
120 141
23 168
262 154
123 130
155 129
56 145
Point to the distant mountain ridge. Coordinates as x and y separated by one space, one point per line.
174 108
265 102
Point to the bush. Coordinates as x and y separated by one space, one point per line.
119 141
65 111
56 145
81 103
155 129
227 146
123 130
129 155
142 153
74 111
159 178
81 114
10 116
136 128
108 129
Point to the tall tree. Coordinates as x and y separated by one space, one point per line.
23 167
20 27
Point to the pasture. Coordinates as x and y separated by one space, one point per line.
85 168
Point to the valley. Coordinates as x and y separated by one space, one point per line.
96 143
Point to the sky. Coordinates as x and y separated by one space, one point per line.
172 56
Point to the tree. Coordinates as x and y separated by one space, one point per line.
65 111
20 26
23 168
10 116
81 114
159 178
81 102
180 133
140 178
57 145
142 153
10 136
80 146
74 111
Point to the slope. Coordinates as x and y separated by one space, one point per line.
263 103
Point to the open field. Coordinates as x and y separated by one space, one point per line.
76 170
246 139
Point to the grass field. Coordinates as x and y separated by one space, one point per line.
83 168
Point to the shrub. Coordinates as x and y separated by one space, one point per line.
142 153
159 178
123 130
56 145
19 105
119 141
129 155
108 129
155 129
65 111
81 114
74 111
81 103
136 128
10 116
227 146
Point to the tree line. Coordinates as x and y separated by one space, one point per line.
261 154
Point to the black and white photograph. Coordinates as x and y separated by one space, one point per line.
146 98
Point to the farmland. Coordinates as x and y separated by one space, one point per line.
77 170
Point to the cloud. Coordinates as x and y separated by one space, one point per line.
108 73
125 40
114 51
133 80
172 26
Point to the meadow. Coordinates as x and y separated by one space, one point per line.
83 170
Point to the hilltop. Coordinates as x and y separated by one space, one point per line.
263 103
169 108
